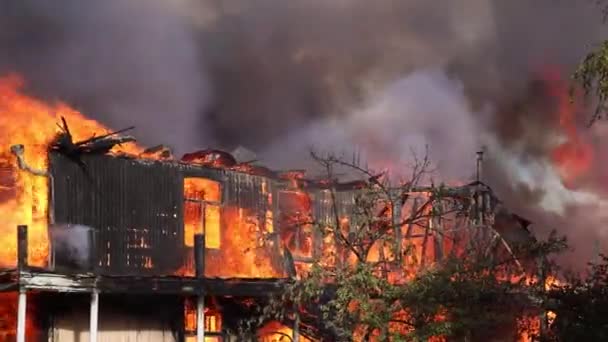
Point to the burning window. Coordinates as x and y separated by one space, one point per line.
296 219
202 211
276 332
213 322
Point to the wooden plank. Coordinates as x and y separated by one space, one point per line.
52 282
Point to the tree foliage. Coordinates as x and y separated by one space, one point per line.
580 305
592 76
469 295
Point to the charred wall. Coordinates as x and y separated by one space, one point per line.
249 246
134 207
136 210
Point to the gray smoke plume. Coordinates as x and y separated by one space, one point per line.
280 76
423 109
122 62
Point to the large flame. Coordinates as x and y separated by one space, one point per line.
8 319
237 240
242 247
202 211
246 251
24 197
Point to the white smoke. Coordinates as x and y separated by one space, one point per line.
72 243
424 108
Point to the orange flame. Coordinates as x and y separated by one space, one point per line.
8 319
246 252
244 248
574 157
202 211
277 332
23 196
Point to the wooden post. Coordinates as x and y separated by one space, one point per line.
21 247
409 231
438 231
396 217
295 336
94 316
199 255
425 241
199 264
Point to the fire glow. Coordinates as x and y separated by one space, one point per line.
235 238
573 158
24 197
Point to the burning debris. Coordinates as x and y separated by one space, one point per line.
160 152
64 144
210 158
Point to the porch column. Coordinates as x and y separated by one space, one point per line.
21 266
21 316
199 265
200 319
94 316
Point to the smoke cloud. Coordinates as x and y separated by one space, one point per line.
72 245
380 77
122 62
398 123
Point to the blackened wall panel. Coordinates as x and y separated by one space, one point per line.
135 208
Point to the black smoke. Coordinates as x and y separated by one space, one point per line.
280 76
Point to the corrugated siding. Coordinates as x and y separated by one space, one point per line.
135 208
323 209
238 189
324 214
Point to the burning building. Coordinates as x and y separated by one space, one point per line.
107 241
138 246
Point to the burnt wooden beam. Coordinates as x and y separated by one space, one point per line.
53 282
243 287
199 255
85 283
9 281
21 247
